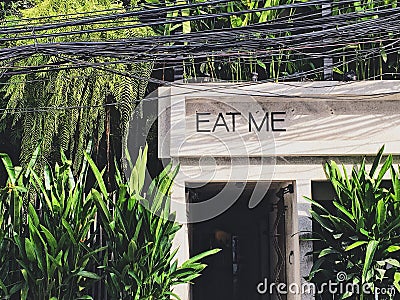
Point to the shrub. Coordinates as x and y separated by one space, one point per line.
361 237
59 237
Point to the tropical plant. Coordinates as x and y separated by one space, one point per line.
74 91
361 235
59 251
376 59
385 64
52 250
239 67
141 263
11 221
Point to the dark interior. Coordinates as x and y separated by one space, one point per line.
243 236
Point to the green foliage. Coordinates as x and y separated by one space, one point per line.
234 68
11 202
139 234
57 253
68 81
376 58
49 255
361 237
386 62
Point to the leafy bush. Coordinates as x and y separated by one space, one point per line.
58 241
139 234
362 236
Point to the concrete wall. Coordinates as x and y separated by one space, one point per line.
324 120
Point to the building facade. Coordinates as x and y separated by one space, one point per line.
248 153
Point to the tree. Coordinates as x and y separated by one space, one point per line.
77 83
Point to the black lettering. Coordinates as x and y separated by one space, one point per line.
233 114
220 117
264 120
273 120
198 121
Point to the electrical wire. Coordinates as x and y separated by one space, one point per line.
144 24
331 34
155 12
142 41
212 88
191 88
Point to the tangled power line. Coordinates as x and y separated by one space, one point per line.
305 34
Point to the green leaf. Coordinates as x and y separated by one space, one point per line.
393 248
327 251
364 232
132 246
397 281
30 250
380 212
32 161
97 175
384 55
88 274
3 287
261 64
369 256
103 207
69 230
39 183
57 259
134 276
9 167
16 287
199 257
92 253
337 70
344 210
173 295
355 245
386 166
376 162
323 222
33 215
396 185
315 203
182 272
186 27
50 238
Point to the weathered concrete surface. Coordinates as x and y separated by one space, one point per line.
320 119
323 120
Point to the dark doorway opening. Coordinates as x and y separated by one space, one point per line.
245 237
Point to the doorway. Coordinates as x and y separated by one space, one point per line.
250 247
